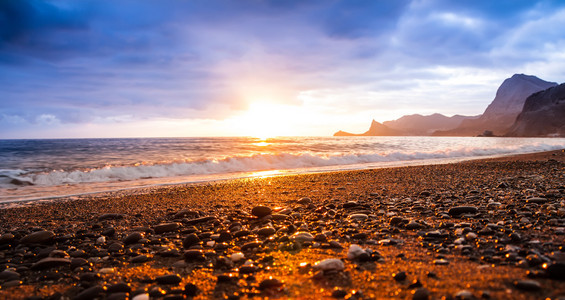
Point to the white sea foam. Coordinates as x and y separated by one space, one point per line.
258 162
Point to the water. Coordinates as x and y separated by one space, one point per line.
36 169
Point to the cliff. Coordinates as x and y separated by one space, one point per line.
543 114
503 110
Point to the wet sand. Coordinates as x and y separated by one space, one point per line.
491 229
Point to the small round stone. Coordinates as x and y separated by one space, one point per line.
261 211
168 279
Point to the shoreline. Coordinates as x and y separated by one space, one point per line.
487 228
147 188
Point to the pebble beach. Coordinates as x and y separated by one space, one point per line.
483 229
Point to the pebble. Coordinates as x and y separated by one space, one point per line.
305 201
421 294
527 285
400 276
38 237
261 211
464 295
8 275
302 237
166 227
190 290
133 238
355 251
266 231
143 296
358 217
458 210
270 283
110 216
168 279
235 257
194 255
51 262
90 293
556 271
330 264
190 240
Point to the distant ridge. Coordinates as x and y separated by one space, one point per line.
376 129
426 125
543 114
502 112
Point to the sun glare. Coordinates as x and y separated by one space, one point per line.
265 120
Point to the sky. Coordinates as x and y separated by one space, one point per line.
168 68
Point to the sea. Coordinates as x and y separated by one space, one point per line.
39 169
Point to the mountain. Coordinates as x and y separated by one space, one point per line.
543 114
502 112
376 129
425 125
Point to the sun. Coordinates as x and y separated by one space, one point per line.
265 120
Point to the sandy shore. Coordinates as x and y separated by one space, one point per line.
492 228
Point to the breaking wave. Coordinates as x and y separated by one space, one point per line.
253 163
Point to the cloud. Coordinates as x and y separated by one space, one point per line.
94 61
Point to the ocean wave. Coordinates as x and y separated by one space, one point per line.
254 163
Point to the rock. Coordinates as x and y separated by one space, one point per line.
251 245
354 252
358 217
143 296
266 231
6 238
38 237
400 276
190 290
464 295
8 275
190 240
168 279
413 225
270 284
261 211
339 293
139 259
458 210
305 201
330 264
441 262
302 237
90 293
110 216
537 200
166 227
133 238
194 255
556 271
51 262
421 294
527 285
120 287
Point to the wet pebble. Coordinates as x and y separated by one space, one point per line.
458 210
51 262
190 240
302 237
168 279
400 276
261 211
38 237
330 264
166 227
527 285
421 294
133 238
90 293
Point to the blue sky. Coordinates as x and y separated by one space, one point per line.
125 68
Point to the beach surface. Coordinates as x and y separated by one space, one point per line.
490 229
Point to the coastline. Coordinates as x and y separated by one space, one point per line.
400 216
